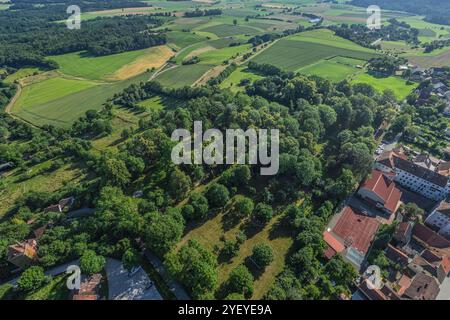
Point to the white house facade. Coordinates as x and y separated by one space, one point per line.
413 176
439 219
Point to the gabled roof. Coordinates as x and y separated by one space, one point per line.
385 188
335 244
423 287
387 157
420 172
430 237
371 293
396 255
437 260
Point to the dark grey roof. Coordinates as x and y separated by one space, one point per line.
420 172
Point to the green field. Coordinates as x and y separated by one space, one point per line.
21 73
216 57
305 49
232 82
62 110
335 69
398 85
183 39
153 103
181 76
80 64
427 31
226 30
48 90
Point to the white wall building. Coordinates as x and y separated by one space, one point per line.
439 218
413 176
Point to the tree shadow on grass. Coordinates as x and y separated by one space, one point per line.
252 228
254 269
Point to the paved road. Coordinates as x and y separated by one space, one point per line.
51 272
173 285
122 286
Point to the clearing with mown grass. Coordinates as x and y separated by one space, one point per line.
48 90
181 76
226 30
64 109
400 86
213 231
113 67
235 78
307 48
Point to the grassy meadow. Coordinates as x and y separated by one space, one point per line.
113 67
400 86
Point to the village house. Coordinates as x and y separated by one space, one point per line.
403 233
351 236
423 287
89 288
413 176
61 205
439 219
380 190
22 254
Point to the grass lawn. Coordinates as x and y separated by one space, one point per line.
21 73
181 76
56 289
154 103
226 30
48 90
331 70
64 110
427 31
211 232
327 37
117 12
292 55
113 67
307 48
216 57
441 58
398 85
183 39
16 185
233 80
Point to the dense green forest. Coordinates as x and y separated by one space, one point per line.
27 44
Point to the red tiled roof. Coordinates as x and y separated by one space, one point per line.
396 255
430 237
423 287
386 158
329 252
335 244
385 188
356 229
402 228
437 260
85 297
371 293
404 282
